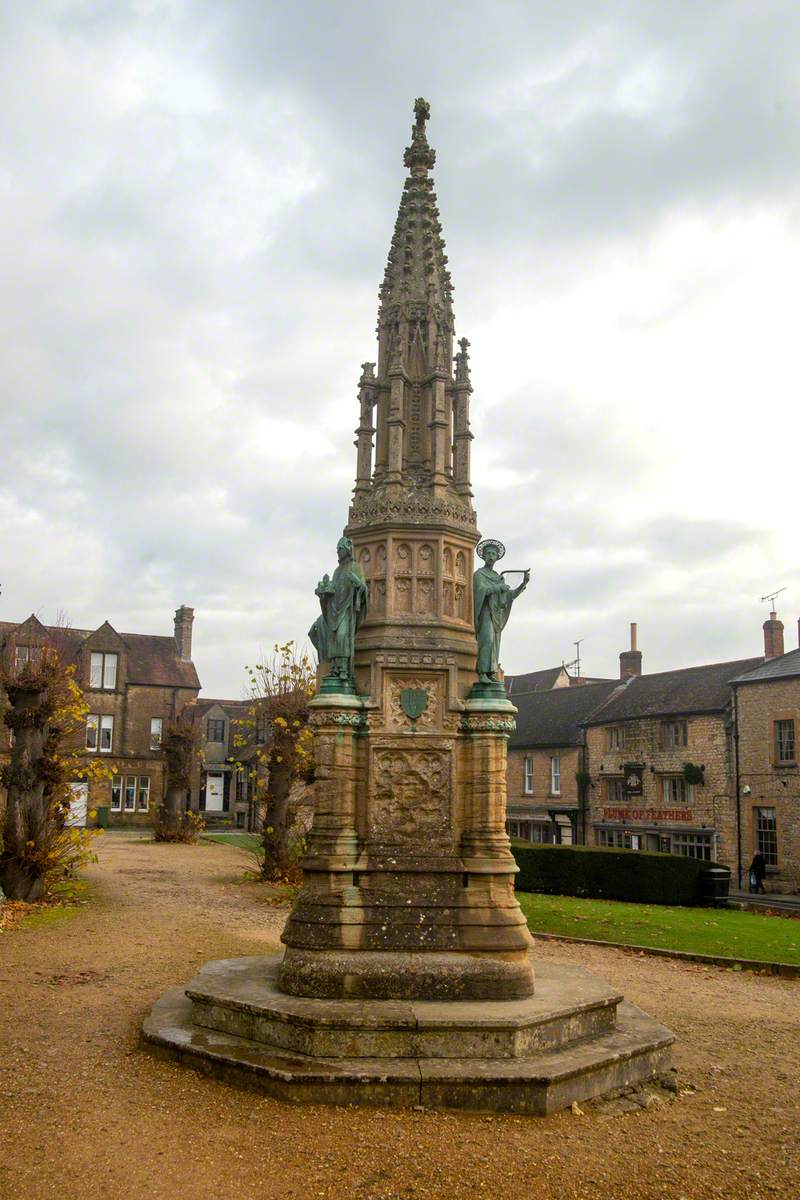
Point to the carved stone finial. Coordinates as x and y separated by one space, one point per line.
367 372
462 361
419 157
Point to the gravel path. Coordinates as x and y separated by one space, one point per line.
85 1113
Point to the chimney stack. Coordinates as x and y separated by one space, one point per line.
630 661
773 637
183 632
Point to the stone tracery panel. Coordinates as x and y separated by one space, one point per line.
411 797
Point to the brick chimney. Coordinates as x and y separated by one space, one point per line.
630 661
183 632
773 637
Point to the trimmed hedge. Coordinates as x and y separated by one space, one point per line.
607 874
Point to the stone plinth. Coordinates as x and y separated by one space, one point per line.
573 1040
408 886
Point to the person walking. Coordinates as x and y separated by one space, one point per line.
758 871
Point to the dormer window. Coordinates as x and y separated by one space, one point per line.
215 730
103 672
22 656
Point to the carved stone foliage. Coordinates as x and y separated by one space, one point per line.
411 797
319 718
488 723
416 508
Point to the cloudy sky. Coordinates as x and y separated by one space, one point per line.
197 203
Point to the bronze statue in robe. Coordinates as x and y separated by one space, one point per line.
343 600
492 606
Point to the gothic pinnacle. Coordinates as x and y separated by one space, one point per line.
419 157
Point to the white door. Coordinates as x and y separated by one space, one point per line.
79 804
215 791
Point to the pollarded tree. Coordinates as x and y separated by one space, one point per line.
45 708
276 728
179 747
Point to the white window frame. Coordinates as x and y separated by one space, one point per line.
117 788
22 656
129 793
783 744
103 671
555 774
527 775
671 784
156 732
143 793
92 731
106 728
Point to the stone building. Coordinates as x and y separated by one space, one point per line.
766 713
546 759
700 761
133 683
224 788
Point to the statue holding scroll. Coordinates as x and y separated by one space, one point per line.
493 599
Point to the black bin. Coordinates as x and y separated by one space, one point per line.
715 885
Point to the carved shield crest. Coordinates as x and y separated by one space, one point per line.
413 702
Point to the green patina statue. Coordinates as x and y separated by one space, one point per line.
343 600
493 599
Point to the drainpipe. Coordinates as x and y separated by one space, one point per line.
738 786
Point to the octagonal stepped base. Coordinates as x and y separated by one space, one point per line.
573 1040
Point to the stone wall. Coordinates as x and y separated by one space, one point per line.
705 809
772 785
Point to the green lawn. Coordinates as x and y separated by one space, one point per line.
728 932
246 841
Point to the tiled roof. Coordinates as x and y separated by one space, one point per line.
533 681
690 690
151 659
774 668
554 718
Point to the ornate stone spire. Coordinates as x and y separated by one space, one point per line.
416 273
422 409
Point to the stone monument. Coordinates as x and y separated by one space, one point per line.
407 975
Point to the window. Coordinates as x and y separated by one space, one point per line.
692 845
116 793
620 839
767 835
784 741
240 816
103 671
156 729
262 727
215 730
130 793
676 792
615 738
241 786
555 775
99 733
615 791
143 793
92 726
527 781
21 656
673 734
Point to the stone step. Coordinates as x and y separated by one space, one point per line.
240 997
635 1051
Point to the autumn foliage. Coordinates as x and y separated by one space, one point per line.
44 711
